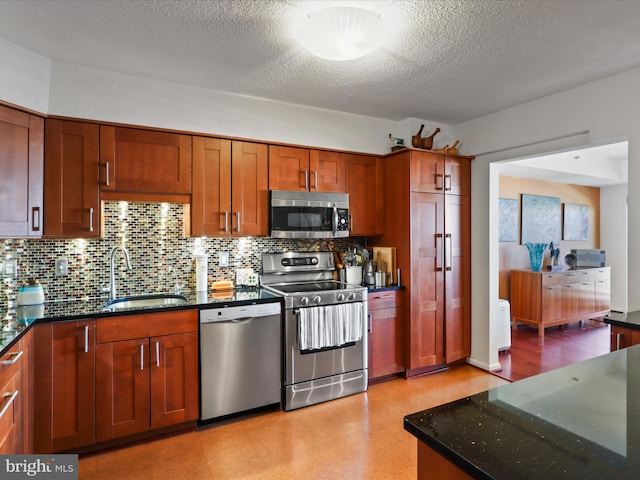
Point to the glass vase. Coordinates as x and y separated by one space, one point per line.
536 254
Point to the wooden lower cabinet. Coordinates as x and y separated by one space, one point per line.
623 337
13 404
146 372
544 299
64 385
386 333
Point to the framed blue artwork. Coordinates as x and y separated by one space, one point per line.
508 220
575 222
541 219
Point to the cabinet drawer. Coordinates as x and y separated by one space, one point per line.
126 327
9 433
551 279
10 364
602 275
386 299
570 278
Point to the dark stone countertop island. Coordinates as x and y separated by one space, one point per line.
578 422
630 320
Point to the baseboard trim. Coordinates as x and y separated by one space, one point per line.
484 366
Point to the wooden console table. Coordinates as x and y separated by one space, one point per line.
545 299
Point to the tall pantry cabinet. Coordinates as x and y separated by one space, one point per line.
428 220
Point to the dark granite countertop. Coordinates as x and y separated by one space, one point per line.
629 320
577 422
17 320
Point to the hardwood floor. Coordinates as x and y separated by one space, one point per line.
357 437
530 354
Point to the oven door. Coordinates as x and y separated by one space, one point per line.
302 366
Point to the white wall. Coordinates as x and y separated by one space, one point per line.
613 239
24 77
593 113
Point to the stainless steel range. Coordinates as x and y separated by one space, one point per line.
325 328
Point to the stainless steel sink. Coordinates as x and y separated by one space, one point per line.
145 301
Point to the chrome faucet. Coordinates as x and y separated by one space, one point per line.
112 279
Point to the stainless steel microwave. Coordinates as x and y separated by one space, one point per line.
308 214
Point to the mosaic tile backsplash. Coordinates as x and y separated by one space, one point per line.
161 255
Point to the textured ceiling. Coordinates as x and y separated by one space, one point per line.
446 61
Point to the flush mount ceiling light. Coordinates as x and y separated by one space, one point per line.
341 33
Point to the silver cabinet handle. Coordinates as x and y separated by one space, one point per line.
448 251
226 221
91 219
370 322
157 354
141 357
315 179
106 168
238 220
447 177
306 179
86 339
439 176
16 356
35 219
8 404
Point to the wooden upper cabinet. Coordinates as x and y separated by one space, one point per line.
301 169
288 168
230 188
365 186
144 161
211 191
249 188
326 171
21 182
433 172
71 176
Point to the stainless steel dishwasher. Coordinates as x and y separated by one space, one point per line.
240 358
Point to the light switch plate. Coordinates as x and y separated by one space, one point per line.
223 259
62 267
10 268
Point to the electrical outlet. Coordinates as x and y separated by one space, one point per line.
223 259
62 267
10 268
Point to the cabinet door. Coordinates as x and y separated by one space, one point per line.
122 388
211 191
365 186
72 193
457 175
64 386
551 303
145 161
249 189
426 332
288 168
21 182
457 283
427 172
174 379
603 290
327 170
386 342
26 389
570 300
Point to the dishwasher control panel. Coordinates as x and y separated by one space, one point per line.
240 312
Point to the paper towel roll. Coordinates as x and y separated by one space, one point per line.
201 273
